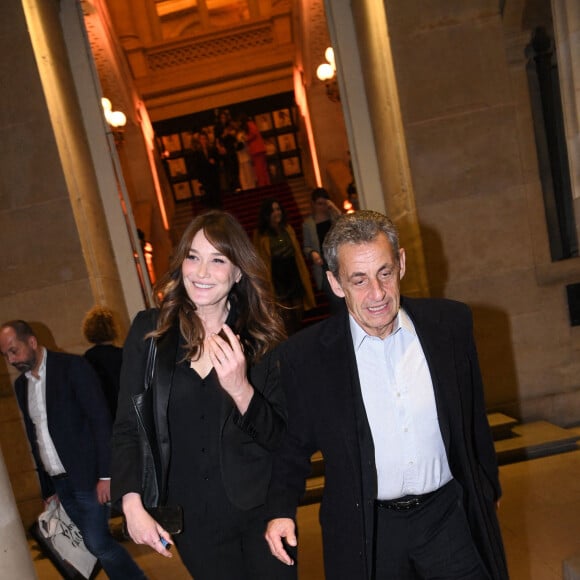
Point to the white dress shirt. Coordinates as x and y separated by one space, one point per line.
400 406
37 411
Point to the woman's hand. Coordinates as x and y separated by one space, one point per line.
142 528
229 362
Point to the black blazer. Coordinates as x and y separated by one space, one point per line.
247 441
78 418
326 413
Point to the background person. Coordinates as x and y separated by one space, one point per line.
278 246
389 390
69 427
257 149
314 230
222 410
99 328
247 174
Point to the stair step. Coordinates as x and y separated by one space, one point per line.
314 489
528 441
501 425
317 462
533 440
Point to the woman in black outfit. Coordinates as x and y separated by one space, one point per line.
276 243
219 407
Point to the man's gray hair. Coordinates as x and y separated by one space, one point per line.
359 227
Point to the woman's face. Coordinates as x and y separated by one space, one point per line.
208 276
276 215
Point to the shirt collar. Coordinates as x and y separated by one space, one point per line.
402 323
41 368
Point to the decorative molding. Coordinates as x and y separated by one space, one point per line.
197 51
315 39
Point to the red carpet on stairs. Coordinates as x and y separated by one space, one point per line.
245 205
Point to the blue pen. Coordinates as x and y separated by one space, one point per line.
165 543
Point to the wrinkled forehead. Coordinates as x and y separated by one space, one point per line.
379 247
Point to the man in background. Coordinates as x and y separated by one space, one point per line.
68 425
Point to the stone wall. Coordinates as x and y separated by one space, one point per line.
464 98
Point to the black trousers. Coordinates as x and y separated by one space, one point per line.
429 542
230 545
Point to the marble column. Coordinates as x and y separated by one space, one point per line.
15 559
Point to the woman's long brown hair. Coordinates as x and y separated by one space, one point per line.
258 321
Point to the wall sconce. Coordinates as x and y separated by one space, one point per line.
116 120
326 72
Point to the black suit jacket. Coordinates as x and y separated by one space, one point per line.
79 422
246 441
326 413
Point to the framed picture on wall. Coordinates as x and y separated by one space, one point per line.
270 144
263 122
282 118
286 142
196 187
177 167
171 143
181 191
291 166
187 138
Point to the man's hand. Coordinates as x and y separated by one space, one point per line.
50 499
278 530
104 490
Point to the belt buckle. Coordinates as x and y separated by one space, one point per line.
405 505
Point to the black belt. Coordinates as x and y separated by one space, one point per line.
59 476
405 503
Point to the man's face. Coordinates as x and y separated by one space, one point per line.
369 277
21 355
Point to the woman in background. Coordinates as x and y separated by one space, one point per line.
256 148
220 409
100 329
278 246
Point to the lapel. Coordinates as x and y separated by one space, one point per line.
167 347
437 343
51 383
347 408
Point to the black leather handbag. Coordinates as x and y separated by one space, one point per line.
169 517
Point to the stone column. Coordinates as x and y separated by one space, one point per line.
15 559
203 13
370 101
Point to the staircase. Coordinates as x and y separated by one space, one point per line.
293 195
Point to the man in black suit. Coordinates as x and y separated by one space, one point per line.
390 391
69 427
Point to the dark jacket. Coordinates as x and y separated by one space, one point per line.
326 413
78 418
246 442
106 359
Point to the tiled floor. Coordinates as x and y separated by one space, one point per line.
539 514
